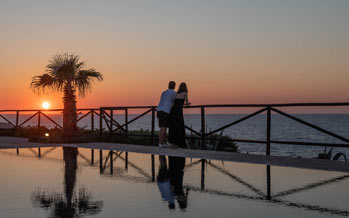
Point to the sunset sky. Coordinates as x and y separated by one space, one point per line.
236 51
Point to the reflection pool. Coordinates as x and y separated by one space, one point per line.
77 182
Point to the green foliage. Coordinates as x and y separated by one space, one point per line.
214 142
226 144
137 137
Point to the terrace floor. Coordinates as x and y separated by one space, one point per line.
330 165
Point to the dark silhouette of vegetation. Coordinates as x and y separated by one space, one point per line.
65 74
137 137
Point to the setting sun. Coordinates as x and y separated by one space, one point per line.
46 105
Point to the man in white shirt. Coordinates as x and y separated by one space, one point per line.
163 113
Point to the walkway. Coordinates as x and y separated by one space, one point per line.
12 142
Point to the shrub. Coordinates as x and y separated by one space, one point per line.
137 137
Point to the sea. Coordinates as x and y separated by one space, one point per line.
254 128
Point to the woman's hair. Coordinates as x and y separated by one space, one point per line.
182 88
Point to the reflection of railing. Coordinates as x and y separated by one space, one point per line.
261 196
277 198
202 135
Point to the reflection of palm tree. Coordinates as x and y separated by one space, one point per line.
70 204
70 166
65 74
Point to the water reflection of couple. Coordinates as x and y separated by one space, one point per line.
170 181
170 115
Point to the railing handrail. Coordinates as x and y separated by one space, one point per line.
315 104
274 105
46 110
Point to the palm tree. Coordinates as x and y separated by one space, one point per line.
65 73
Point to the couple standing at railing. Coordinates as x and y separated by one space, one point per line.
170 115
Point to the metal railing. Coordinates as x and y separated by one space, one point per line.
43 113
203 136
106 116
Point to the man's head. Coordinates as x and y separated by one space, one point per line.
172 85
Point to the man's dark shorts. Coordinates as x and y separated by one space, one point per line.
163 118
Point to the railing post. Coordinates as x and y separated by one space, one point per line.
203 132
17 118
268 130
111 121
126 122
39 118
100 121
153 126
92 120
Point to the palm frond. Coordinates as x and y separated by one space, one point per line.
64 67
40 83
84 80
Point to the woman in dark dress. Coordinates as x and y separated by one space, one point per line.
177 131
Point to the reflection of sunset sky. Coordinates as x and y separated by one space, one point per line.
120 192
231 52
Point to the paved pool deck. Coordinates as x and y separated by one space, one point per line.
305 163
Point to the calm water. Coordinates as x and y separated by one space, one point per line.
67 183
253 129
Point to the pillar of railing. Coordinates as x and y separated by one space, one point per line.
126 122
17 118
111 121
39 118
268 130
203 145
92 120
153 126
100 121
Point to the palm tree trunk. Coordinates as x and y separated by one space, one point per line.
69 112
